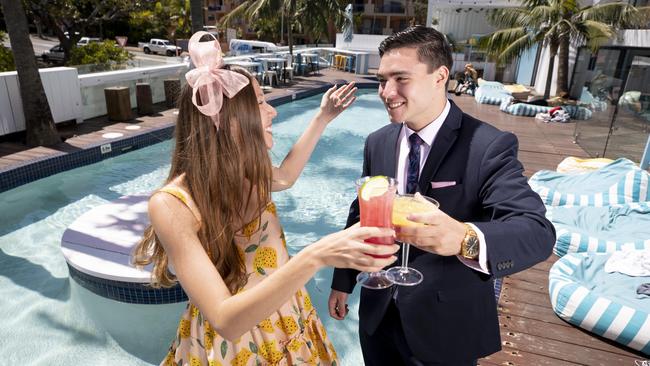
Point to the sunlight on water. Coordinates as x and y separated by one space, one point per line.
41 325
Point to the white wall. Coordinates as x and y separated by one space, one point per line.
632 38
363 42
542 70
61 86
463 24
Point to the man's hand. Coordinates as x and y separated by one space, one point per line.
338 305
441 234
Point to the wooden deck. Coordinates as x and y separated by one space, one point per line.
531 332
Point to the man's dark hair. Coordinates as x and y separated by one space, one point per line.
432 46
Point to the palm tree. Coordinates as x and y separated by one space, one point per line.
558 24
196 9
39 124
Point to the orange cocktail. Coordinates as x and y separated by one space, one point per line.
403 206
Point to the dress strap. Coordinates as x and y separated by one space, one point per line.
184 197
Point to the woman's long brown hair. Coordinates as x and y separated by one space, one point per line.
227 173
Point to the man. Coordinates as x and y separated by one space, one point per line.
490 223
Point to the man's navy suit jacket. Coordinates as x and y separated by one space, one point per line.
452 314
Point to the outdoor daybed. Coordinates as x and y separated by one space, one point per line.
585 295
491 92
531 110
600 229
620 182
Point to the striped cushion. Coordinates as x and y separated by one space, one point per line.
600 229
491 95
583 294
530 110
620 182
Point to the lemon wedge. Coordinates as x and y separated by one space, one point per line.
374 187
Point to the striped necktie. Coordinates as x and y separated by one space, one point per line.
413 171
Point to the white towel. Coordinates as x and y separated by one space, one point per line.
630 262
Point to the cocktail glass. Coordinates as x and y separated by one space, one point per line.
404 205
376 211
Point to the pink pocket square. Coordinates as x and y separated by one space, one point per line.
435 185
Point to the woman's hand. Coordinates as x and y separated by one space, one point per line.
346 249
336 100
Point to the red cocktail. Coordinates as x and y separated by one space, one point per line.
376 195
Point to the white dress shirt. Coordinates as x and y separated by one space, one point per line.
428 135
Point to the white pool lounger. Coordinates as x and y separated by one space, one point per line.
97 247
583 294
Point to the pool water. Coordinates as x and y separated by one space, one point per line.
41 322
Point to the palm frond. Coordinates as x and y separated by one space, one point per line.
235 13
505 44
506 17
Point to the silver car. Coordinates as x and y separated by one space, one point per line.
54 55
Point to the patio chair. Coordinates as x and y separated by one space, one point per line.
288 70
268 74
350 63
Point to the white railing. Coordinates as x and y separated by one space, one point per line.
61 88
92 85
79 97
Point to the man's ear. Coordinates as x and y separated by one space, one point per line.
441 75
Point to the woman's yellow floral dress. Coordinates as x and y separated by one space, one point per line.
292 335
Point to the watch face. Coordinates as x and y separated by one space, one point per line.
471 249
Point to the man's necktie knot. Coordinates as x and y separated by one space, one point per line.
413 171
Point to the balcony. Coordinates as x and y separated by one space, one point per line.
392 8
218 8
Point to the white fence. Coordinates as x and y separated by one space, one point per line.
61 86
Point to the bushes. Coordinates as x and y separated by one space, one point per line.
6 57
103 56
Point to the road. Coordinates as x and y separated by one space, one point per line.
43 45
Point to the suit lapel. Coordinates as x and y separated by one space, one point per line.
441 145
389 161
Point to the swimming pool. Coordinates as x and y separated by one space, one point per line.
42 325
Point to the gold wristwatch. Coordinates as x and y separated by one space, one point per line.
469 247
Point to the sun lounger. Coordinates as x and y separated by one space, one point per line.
600 229
620 182
606 304
491 94
531 110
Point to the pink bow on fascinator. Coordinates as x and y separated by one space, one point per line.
209 78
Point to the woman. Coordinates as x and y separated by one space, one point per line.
214 228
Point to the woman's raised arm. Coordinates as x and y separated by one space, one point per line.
335 101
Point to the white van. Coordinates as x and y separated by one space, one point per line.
86 40
244 46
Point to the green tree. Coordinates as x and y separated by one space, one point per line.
104 56
39 124
6 57
557 24
313 17
165 18
77 17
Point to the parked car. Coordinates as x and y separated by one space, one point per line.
86 40
54 55
162 46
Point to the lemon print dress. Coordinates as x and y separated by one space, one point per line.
292 335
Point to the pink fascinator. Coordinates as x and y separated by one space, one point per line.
209 79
